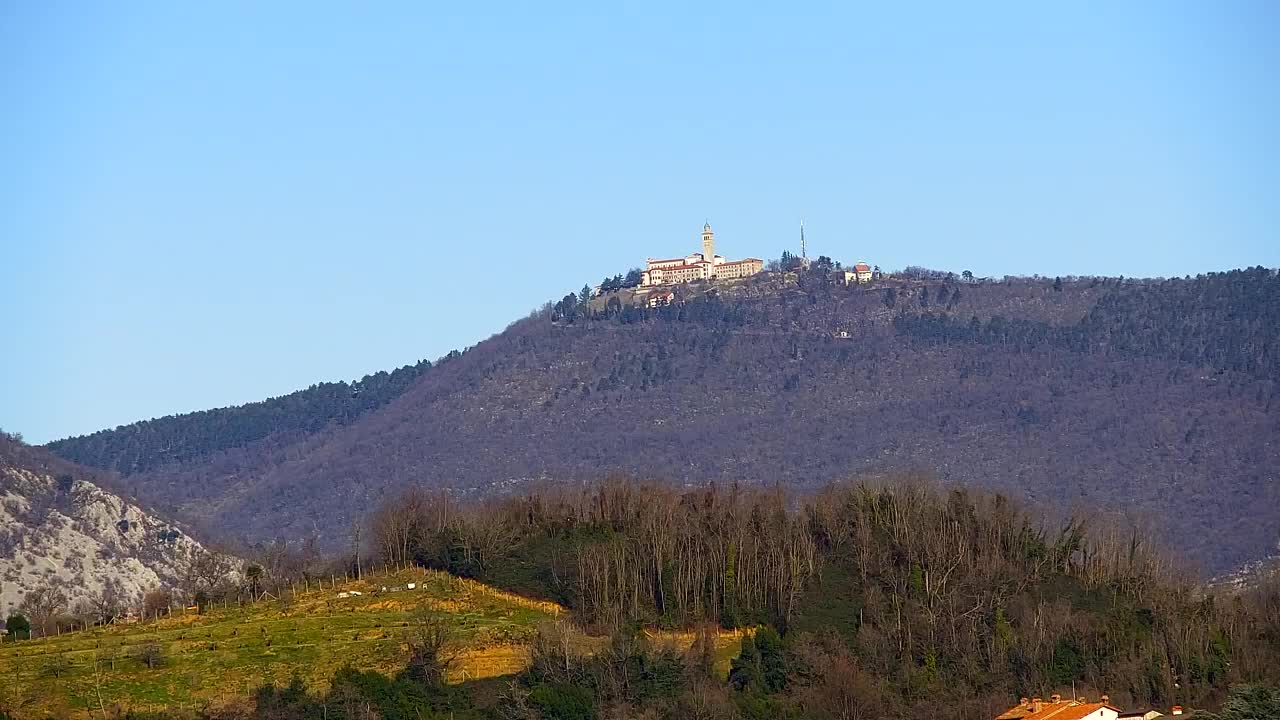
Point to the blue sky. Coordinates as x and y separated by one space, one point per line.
208 204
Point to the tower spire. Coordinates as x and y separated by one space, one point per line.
803 250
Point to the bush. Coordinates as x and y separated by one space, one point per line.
564 702
1251 702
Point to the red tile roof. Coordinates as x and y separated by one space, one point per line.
1064 710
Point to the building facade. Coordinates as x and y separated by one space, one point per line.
698 266
860 274
660 298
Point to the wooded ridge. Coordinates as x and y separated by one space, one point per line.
1155 401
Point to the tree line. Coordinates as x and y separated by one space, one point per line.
1227 321
191 437
870 598
915 590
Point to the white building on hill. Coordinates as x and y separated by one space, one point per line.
698 266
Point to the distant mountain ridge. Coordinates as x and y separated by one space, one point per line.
1150 401
192 437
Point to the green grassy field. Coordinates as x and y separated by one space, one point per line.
225 652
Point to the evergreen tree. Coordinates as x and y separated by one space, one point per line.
18 626
1251 702
744 670
773 659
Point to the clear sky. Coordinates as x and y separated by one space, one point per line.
205 204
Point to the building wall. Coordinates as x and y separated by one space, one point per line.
740 269
698 266
678 274
676 262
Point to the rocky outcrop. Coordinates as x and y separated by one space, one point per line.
69 534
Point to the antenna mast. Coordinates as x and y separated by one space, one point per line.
803 251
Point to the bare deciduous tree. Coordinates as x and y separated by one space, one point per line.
41 605
428 637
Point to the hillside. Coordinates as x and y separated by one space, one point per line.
193 437
62 532
1157 402
868 599
225 653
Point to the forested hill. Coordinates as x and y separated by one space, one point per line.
1153 402
1226 321
193 437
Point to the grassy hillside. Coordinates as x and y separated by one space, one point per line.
229 652
1155 399
232 651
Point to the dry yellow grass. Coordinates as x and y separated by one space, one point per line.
489 662
727 643
684 639
517 600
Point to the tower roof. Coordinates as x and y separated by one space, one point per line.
707 227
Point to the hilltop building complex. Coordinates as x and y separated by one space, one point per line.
698 266
860 274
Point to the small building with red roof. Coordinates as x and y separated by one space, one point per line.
1060 709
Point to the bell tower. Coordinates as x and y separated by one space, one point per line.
708 244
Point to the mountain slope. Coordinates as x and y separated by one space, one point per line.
222 654
1155 401
59 529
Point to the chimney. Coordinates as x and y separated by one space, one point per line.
1035 704
1022 702
1177 710
1055 698
1106 699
